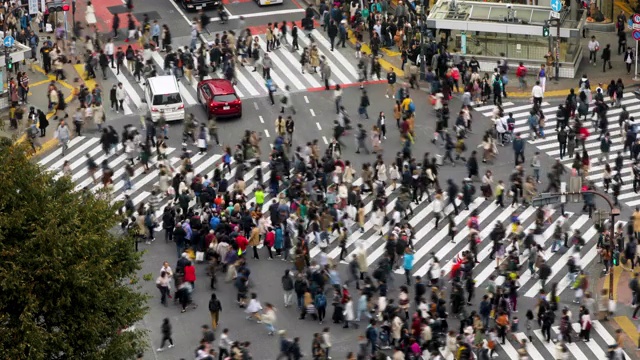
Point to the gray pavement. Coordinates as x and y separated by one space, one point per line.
265 274
313 121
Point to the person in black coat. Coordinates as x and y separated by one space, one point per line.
452 193
166 334
332 32
472 165
44 123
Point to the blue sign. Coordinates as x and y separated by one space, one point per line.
8 41
463 43
635 34
556 5
630 23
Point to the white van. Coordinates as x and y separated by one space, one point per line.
162 95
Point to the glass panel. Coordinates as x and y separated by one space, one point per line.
498 13
539 16
516 47
479 13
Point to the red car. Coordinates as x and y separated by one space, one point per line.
219 98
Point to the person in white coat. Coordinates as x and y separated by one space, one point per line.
585 323
268 318
451 344
381 173
120 95
394 175
438 209
90 15
396 330
349 314
254 308
98 115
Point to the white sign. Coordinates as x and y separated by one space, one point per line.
33 7
554 15
636 27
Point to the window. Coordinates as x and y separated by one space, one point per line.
206 92
167 99
225 98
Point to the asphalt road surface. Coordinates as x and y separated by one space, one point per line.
266 274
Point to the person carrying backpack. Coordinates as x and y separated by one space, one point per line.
320 302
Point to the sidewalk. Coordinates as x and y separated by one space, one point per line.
38 98
554 89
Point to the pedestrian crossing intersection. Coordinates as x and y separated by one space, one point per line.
286 71
550 145
428 240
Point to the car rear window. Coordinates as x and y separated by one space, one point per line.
225 98
167 99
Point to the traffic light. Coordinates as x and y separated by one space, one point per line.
57 6
9 63
545 30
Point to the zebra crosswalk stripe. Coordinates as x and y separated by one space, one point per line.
549 144
427 238
286 71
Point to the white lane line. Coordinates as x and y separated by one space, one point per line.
205 164
77 151
266 133
85 170
255 105
58 151
88 181
335 70
490 107
306 99
81 160
461 235
435 239
348 64
246 83
129 90
326 142
258 14
279 65
318 125
604 334
559 264
294 67
533 352
313 113
261 119
586 260
573 347
524 108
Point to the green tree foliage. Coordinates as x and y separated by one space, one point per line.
65 289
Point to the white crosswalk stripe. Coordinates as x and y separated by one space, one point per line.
286 71
550 145
428 239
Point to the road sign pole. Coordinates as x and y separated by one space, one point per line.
634 23
635 73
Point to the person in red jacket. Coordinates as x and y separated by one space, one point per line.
190 274
242 241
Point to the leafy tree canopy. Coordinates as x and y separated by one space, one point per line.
65 280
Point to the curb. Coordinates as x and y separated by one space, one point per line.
51 143
555 93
